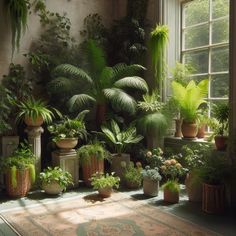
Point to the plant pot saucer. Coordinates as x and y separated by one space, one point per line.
190 139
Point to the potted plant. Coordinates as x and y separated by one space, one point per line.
55 180
119 141
151 179
35 112
202 122
154 158
220 125
20 171
171 169
104 183
132 174
92 157
189 99
214 175
67 131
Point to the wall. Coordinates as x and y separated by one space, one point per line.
77 10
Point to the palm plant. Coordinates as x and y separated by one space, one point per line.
158 41
104 84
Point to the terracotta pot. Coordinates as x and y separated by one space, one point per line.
213 198
221 142
189 130
23 183
52 188
105 192
116 165
67 143
201 131
178 124
91 167
193 187
171 197
150 187
30 122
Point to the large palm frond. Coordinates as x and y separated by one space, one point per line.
132 82
59 85
120 99
80 100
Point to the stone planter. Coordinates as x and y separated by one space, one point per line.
171 197
53 188
150 187
105 192
91 167
67 143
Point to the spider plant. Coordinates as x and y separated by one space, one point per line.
104 84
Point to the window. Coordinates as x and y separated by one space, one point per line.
205 43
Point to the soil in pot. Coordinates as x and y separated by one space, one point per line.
150 187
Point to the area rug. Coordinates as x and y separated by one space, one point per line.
93 216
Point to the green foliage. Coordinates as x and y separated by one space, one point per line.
155 158
104 84
189 98
92 150
171 185
119 140
56 174
132 173
101 180
151 174
158 42
69 128
17 11
33 108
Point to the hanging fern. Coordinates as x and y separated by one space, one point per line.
17 10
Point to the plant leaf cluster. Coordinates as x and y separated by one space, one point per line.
101 180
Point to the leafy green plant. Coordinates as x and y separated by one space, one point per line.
189 98
155 158
151 174
56 174
92 150
101 180
33 109
119 140
132 173
69 128
104 84
17 10
171 185
21 159
158 42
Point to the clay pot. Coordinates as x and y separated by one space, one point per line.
189 130
67 143
35 123
201 131
53 188
178 124
105 192
91 167
193 187
150 187
171 197
221 142
23 183
213 198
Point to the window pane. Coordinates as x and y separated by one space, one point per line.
220 31
199 60
196 36
220 59
196 12
219 86
220 8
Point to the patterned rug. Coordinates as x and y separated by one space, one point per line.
119 215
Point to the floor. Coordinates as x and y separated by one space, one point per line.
221 224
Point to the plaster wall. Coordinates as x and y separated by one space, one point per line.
76 10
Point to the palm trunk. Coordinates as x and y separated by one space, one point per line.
100 114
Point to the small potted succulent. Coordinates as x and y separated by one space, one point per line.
35 112
92 157
151 178
104 183
171 169
20 171
67 131
55 180
132 174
